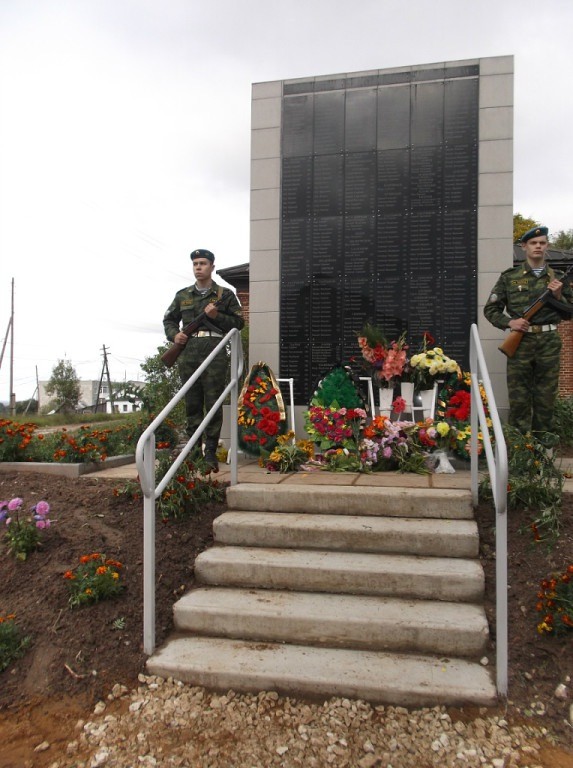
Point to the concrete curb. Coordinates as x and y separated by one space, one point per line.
66 470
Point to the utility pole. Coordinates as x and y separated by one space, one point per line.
12 393
105 369
37 390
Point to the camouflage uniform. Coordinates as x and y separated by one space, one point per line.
185 307
533 372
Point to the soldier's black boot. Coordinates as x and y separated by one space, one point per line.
211 444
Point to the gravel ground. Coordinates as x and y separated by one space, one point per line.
167 723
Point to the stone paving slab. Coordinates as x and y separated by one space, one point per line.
398 679
336 621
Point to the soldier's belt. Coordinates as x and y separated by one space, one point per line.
202 334
541 328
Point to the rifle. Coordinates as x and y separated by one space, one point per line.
513 338
170 356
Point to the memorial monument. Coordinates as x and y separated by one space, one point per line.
383 196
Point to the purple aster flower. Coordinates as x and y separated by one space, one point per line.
42 508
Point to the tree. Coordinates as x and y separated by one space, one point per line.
27 406
65 385
161 384
563 240
521 225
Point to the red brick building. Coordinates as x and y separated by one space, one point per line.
238 277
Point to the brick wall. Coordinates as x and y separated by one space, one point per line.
566 375
243 296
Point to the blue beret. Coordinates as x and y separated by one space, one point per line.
535 232
201 253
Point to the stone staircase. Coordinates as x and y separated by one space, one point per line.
372 593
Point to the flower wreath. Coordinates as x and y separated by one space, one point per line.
261 411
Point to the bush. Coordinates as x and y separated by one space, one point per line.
535 484
21 442
563 420
12 644
95 578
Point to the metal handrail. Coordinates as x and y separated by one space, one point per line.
498 471
145 461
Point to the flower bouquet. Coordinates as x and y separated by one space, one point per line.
384 362
334 427
458 411
438 438
288 455
429 365
387 445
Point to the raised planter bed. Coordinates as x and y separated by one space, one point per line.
66 470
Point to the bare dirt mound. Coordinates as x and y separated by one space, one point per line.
77 656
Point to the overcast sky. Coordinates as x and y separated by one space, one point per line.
124 143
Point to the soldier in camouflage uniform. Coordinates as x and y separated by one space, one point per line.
533 372
185 307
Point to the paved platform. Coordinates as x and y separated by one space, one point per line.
250 472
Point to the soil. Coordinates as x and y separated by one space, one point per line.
77 656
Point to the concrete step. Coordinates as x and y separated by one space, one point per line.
431 578
415 536
400 679
352 500
348 621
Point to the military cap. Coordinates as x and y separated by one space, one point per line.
534 232
201 253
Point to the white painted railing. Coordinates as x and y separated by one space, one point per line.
498 472
145 461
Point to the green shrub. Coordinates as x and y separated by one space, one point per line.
12 644
563 420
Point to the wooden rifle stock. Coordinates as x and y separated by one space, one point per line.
513 338
169 358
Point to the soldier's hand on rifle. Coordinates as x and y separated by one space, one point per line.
519 324
555 286
180 338
211 311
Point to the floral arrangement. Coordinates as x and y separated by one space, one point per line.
388 445
261 415
436 435
430 364
333 426
23 530
288 455
95 578
385 362
555 602
456 404
12 644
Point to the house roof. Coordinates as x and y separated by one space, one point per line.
237 276
555 256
